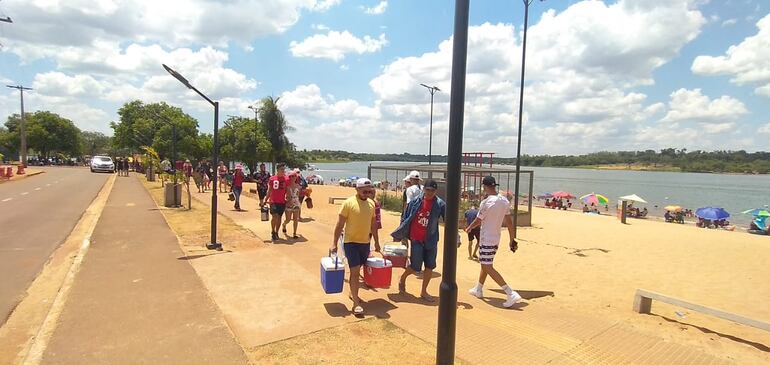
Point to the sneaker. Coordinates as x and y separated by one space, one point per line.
512 299
476 293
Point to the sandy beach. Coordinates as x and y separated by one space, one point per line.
593 265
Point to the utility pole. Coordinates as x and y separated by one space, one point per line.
432 90
22 127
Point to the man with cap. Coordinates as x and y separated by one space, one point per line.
238 185
493 212
419 223
276 197
356 217
262 177
415 190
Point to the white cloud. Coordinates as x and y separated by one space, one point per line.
377 9
324 5
764 129
692 105
335 45
320 27
747 62
729 22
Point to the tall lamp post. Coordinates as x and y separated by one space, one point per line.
22 127
255 108
213 245
447 306
432 90
173 153
521 109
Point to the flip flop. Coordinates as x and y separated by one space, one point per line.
358 310
428 298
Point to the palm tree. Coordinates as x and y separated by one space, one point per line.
276 127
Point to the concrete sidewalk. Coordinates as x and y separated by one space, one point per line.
136 299
283 278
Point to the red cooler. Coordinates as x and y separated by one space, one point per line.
397 254
378 272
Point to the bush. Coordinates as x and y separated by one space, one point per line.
390 201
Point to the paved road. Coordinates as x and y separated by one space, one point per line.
36 215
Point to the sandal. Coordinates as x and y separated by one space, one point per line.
358 310
295 237
428 298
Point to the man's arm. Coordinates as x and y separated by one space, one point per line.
476 222
375 234
338 232
269 192
508 220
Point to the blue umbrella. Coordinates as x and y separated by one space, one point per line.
545 196
712 213
761 223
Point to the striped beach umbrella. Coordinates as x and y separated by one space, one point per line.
596 199
758 212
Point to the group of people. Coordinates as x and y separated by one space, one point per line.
122 166
708 223
357 225
558 204
284 193
677 217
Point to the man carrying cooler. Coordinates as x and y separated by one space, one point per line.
356 217
493 211
276 197
420 224
262 177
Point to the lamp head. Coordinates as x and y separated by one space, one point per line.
177 76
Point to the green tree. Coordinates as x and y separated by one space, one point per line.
276 127
146 125
94 143
245 140
47 133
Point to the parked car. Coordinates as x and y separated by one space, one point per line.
102 163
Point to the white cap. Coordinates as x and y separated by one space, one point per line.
414 174
406 178
296 170
363 182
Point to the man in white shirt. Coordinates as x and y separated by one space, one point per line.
415 190
493 211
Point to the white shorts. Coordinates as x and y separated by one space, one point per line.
487 253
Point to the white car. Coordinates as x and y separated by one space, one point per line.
102 163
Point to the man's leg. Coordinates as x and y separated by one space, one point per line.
429 257
470 249
296 220
354 284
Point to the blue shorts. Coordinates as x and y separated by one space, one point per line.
420 255
356 253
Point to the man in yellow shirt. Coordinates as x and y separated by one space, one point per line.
357 218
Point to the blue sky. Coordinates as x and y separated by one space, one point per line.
612 75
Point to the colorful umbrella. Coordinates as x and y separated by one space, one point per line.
758 212
545 196
562 195
673 208
633 198
711 213
596 199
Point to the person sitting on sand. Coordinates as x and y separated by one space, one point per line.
585 208
644 212
669 218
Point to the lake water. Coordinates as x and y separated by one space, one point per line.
735 193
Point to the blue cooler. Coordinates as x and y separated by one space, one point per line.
332 274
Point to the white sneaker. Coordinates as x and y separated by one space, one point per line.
512 299
476 293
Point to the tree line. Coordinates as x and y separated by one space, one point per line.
676 159
142 125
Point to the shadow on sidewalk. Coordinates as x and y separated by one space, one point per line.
193 257
377 307
528 294
757 345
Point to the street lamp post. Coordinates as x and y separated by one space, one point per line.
213 245
432 90
521 109
255 108
173 153
22 126
447 307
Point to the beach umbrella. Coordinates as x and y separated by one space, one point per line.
545 196
596 199
633 198
711 213
673 208
562 195
758 212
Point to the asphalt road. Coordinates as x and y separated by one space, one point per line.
36 215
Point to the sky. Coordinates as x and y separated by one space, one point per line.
600 75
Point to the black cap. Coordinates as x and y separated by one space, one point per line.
489 181
431 184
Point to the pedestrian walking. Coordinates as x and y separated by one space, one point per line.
493 212
238 185
222 173
276 197
262 177
470 216
293 205
209 171
302 189
356 218
165 168
125 166
419 223
415 190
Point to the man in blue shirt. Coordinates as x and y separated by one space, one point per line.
419 223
